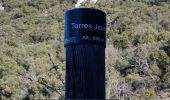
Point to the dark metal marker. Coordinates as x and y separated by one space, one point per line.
85 42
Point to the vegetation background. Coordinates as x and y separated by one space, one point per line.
32 56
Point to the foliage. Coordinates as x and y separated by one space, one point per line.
149 93
32 60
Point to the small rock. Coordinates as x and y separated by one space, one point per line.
1 7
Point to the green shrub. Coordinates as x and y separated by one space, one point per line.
155 69
130 78
149 93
